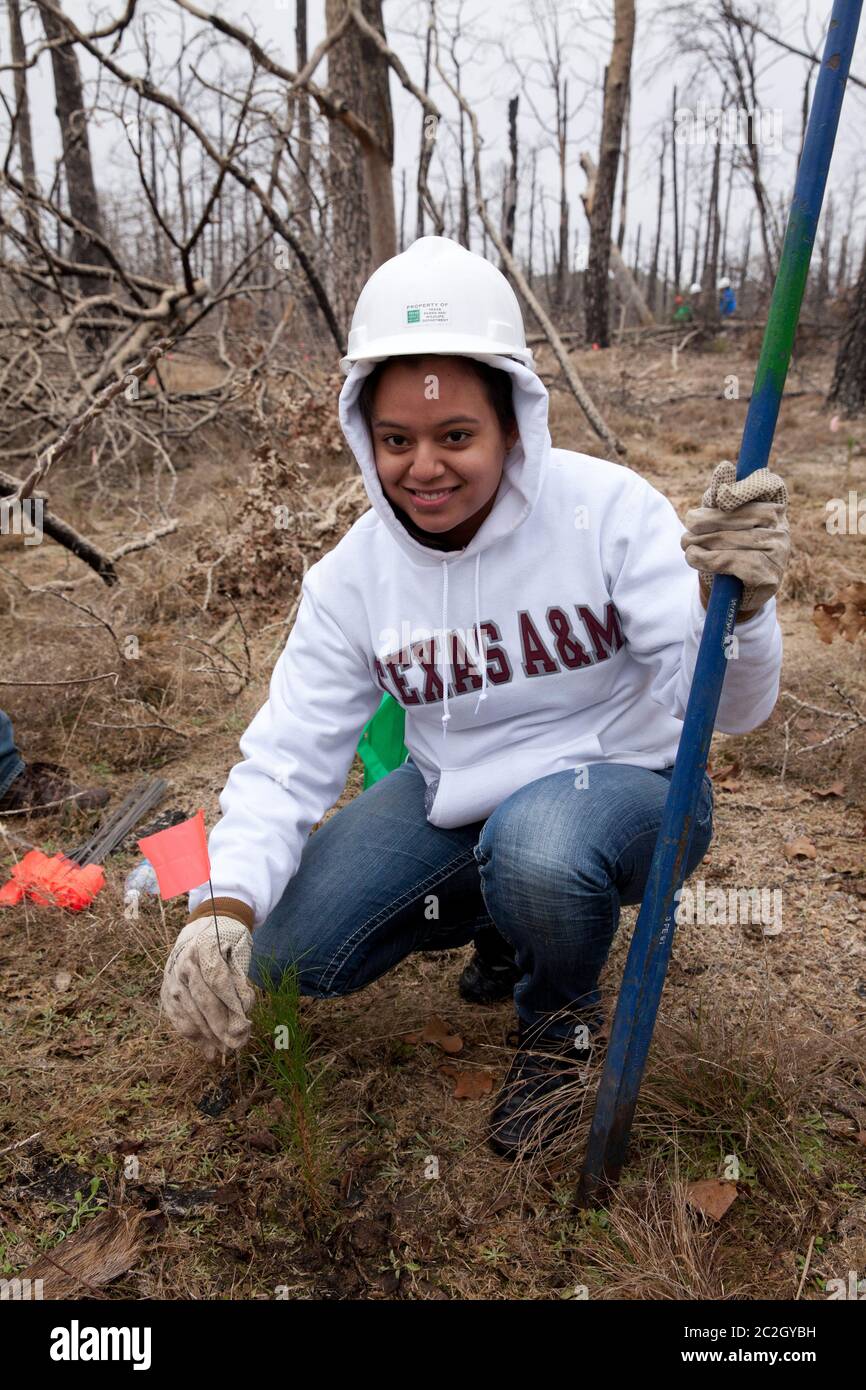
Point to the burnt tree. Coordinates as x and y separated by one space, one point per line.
848 388
81 194
615 94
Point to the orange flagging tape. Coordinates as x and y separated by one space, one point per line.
52 882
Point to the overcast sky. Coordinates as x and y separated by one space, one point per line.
504 55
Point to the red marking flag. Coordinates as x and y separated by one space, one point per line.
179 856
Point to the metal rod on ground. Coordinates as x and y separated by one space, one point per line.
648 956
109 835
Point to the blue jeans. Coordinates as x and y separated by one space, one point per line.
11 762
548 871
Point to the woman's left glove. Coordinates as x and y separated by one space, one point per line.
741 529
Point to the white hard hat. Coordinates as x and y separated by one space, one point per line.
695 288
724 283
436 297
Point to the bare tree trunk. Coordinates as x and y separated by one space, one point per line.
848 388
379 162
675 191
509 210
22 117
364 227
654 266
529 269
724 247
562 260
684 209
626 285
848 238
743 69
77 163
303 200
699 218
350 223
842 265
804 111
822 286
711 251
615 94
623 191
747 251
464 188
664 305
419 206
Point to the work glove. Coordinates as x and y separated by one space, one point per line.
205 991
741 529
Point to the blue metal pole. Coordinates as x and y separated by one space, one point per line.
650 949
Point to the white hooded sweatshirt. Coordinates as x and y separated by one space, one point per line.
589 618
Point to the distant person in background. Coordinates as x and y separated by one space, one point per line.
683 312
37 787
727 298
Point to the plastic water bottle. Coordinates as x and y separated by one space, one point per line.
141 879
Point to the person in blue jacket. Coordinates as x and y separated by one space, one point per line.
727 298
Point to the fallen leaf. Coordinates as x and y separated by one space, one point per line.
834 789
436 1031
469 1085
62 980
725 778
125 1147
844 615
849 862
826 616
228 1195
264 1141
800 848
711 1196
74 1048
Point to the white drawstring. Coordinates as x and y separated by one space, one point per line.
444 664
477 656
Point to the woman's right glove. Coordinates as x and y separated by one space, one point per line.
741 528
205 990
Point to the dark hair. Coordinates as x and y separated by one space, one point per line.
496 383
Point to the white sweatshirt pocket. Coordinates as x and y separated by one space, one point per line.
467 794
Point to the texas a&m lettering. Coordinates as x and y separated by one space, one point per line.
562 642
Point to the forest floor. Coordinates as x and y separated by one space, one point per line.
131 1166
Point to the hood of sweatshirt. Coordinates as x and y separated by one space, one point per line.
523 473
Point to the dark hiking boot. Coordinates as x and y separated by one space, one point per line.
541 1095
492 973
44 787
